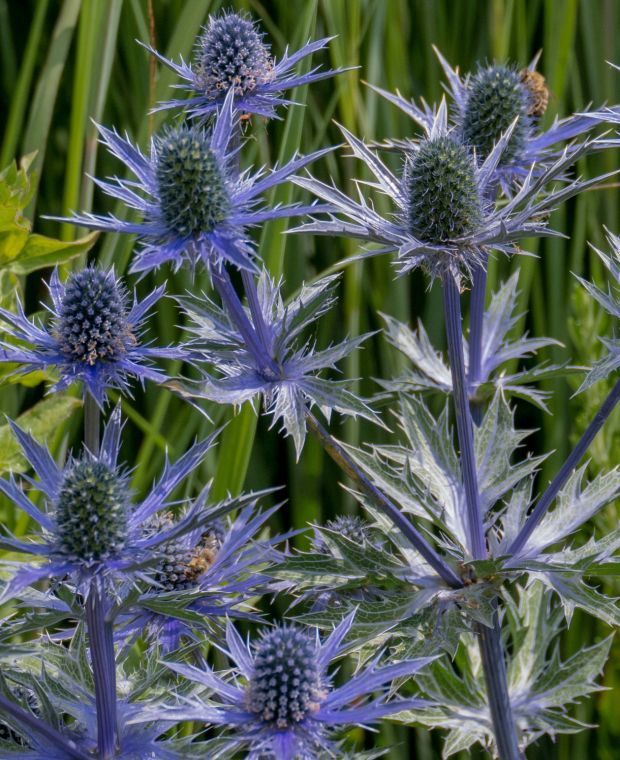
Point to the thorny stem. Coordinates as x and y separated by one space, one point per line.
476 321
101 644
47 732
489 639
452 310
494 667
569 465
348 466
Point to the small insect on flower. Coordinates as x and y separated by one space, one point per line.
231 55
196 204
281 701
219 566
90 526
490 101
94 337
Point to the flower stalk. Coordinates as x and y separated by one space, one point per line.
494 666
563 475
489 639
348 466
452 310
101 639
476 320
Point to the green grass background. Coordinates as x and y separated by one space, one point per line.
65 63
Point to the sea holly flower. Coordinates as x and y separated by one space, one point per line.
94 337
282 370
231 55
196 204
90 526
202 575
491 100
444 221
280 701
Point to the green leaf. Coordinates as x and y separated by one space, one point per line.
43 421
40 252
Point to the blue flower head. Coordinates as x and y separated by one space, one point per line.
94 337
90 526
444 220
196 204
276 365
494 99
281 701
231 55
212 569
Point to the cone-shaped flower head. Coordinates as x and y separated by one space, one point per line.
231 55
196 204
445 219
281 701
286 682
352 527
91 511
90 525
440 182
94 336
499 97
193 192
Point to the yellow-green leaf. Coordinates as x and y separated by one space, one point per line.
43 420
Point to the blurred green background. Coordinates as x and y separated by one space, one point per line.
65 63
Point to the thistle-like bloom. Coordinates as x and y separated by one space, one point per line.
212 570
487 103
281 702
195 203
274 364
231 56
94 337
89 524
610 301
444 221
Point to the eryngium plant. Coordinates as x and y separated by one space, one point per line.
448 597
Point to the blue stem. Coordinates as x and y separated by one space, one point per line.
567 468
489 639
350 468
494 667
452 310
476 321
53 737
101 644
